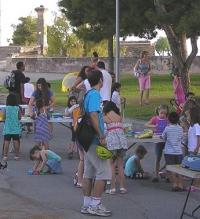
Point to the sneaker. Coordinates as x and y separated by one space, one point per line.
84 210
99 210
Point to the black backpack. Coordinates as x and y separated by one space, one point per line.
85 132
9 82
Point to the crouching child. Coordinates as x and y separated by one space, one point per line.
46 161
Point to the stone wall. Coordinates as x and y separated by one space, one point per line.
160 65
14 51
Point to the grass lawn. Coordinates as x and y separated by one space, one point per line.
161 92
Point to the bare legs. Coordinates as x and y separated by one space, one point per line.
96 191
80 168
6 144
146 92
119 162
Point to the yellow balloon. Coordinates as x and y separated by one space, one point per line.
68 81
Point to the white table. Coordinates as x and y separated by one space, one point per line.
60 120
22 106
190 174
154 140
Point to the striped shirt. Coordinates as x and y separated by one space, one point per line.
173 135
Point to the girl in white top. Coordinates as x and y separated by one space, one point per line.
115 98
194 131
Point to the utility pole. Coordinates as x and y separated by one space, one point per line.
117 55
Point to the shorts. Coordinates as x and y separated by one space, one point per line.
172 159
94 167
119 153
144 82
13 137
54 166
159 150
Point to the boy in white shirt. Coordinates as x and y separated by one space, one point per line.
28 89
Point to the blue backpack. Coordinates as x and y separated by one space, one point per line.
192 162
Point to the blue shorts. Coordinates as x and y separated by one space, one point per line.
173 159
54 166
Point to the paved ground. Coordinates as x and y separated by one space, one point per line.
52 197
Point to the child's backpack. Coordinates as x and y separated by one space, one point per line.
192 162
9 82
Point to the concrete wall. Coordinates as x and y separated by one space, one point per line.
160 65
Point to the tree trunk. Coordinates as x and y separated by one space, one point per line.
178 48
110 55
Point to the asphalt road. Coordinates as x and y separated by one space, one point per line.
54 196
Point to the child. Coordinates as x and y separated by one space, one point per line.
28 90
115 97
71 105
185 126
12 126
71 110
194 131
173 149
42 131
46 160
178 88
133 165
116 142
158 123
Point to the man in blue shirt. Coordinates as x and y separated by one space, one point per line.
95 168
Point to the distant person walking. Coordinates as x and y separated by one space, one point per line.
19 81
142 70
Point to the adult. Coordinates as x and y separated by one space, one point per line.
78 89
105 91
42 92
95 60
18 88
94 167
81 76
143 69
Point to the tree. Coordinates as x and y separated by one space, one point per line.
96 21
93 21
25 33
61 41
162 46
179 19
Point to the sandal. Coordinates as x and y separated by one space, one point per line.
112 191
16 158
123 191
79 185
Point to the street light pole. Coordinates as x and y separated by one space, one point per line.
117 55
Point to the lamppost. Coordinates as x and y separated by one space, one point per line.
117 55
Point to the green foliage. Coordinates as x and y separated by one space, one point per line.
61 41
25 33
162 46
160 93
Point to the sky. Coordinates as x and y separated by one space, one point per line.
11 10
